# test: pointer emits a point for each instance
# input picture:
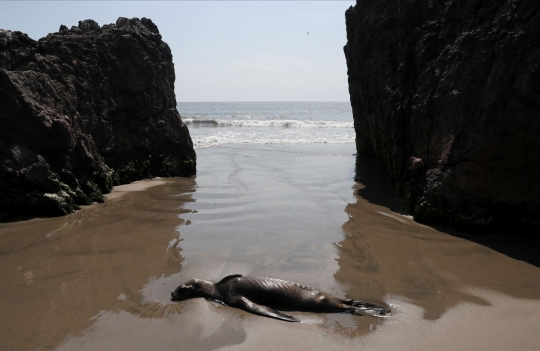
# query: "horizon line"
(268, 101)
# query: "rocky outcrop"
(82, 110)
(447, 95)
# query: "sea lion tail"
(369, 308)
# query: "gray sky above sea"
(223, 50)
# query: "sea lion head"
(187, 290)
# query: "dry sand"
(100, 279)
(135, 186)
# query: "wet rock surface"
(447, 95)
(82, 110)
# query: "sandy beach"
(101, 278)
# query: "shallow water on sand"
(100, 279)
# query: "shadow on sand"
(378, 190)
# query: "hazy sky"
(223, 50)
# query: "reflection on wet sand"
(101, 278)
(429, 266)
(422, 271)
(59, 274)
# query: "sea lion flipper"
(261, 310)
(228, 278)
(370, 308)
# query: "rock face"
(82, 110)
(447, 95)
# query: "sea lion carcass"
(256, 294)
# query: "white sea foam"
(220, 123)
(289, 123)
(253, 137)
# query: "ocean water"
(226, 123)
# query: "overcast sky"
(223, 50)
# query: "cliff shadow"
(378, 189)
(518, 247)
(377, 186)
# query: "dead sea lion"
(255, 294)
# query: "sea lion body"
(260, 295)
(280, 294)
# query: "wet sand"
(100, 279)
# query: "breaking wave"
(288, 137)
(212, 122)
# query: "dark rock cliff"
(447, 95)
(82, 110)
